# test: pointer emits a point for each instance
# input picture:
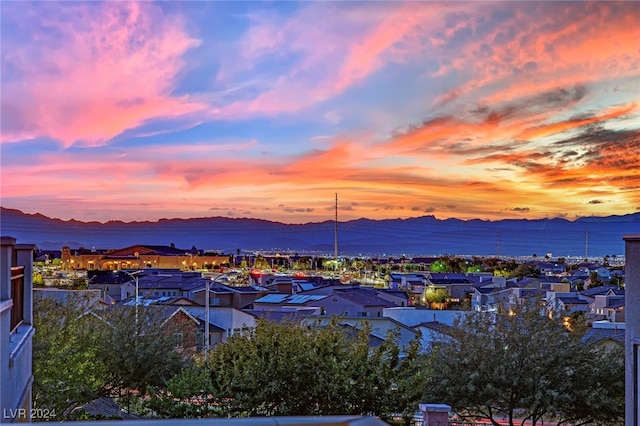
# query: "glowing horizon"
(139, 111)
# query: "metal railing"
(17, 294)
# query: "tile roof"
(398, 293)
(446, 281)
(488, 290)
(364, 299)
(435, 326)
(599, 334)
(572, 300)
(594, 291)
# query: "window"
(179, 337)
(17, 294)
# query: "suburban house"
(529, 282)
(398, 298)
(354, 303)
(458, 289)
(116, 285)
(412, 316)
(552, 268)
(239, 297)
(16, 329)
(172, 284)
(566, 303)
(411, 282)
(326, 289)
(187, 329)
(609, 306)
(521, 294)
(489, 298)
(591, 293)
(230, 320)
(570, 303)
(282, 302)
(586, 270)
(607, 334)
(380, 327)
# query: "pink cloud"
(336, 47)
(110, 67)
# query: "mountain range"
(419, 236)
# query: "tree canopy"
(524, 365)
(294, 369)
(80, 354)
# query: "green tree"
(521, 365)
(596, 388)
(137, 350)
(67, 367)
(526, 270)
(329, 369)
(618, 280)
(596, 281)
(80, 354)
(436, 295)
(186, 395)
(438, 266)
(261, 263)
(38, 280)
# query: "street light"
(206, 314)
(135, 279)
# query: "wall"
(632, 339)
(16, 347)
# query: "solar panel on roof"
(272, 298)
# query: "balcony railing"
(17, 294)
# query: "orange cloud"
(523, 56)
(562, 126)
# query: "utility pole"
(335, 238)
(207, 315)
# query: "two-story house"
(566, 303)
(458, 289)
(552, 268)
(609, 306)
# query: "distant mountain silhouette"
(420, 236)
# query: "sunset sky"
(492, 110)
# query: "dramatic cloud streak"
(108, 68)
(125, 110)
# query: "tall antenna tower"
(586, 244)
(335, 237)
